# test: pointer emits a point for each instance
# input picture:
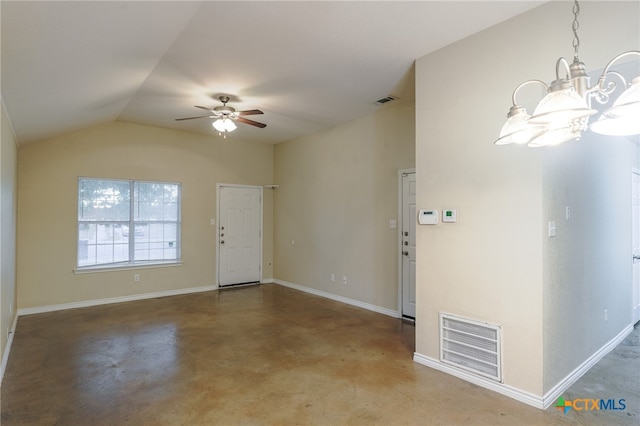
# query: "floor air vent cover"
(471, 345)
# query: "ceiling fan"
(226, 116)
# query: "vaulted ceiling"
(308, 65)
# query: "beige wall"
(488, 265)
(493, 265)
(338, 191)
(587, 266)
(47, 206)
(8, 194)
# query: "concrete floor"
(260, 355)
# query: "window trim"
(128, 267)
(131, 263)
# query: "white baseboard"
(564, 384)
(501, 388)
(119, 299)
(7, 347)
(541, 402)
(327, 295)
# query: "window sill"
(151, 265)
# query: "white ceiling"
(307, 65)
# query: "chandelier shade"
(517, 129)
(560, 107)
(616, 126)
(554, 137)
(563, 113)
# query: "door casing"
(635, 246)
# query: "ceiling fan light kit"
(224, 125)
(226, 117)
(563, 114)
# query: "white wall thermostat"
(449, 216)
(428, 217)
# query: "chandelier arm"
(603, 77)
(521, 85)
(566, 66)
(601, 93)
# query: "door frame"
(400, 227)
(634, 171)
(217, 226)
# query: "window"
(127, 222)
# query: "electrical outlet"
(344, 279)
(606, 317)
(136, 277)
(333, 278)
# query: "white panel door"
(408, 245)
(239, 230)
(635, 203)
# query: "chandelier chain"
(574, 27)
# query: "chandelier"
(563, 114)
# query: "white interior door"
(408, 245)
(239, 234)
(635, 229)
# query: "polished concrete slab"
(257, 355)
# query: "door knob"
(406, 243)
(406, 234)
(405, 253)
(222, 235)
(221, 241)
(636, 257)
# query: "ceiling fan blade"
(191, 118)
(251, 122)
(250, 112)
(204, 108)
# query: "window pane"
(156, 201)
(103, 200)
(101, 243)
(159, 242)
(170, 231)
(170, 211)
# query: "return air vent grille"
(471, 345)
(385, 100)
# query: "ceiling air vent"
(385, 100)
